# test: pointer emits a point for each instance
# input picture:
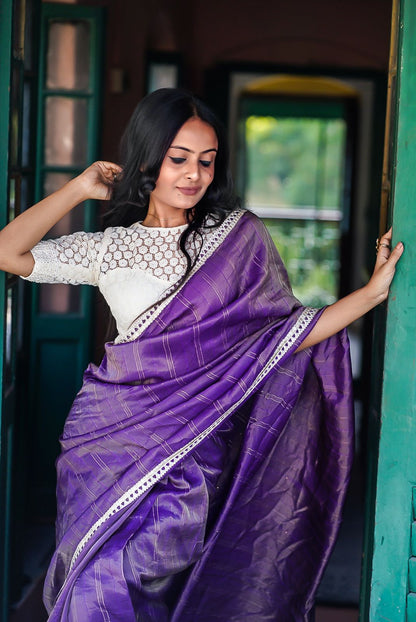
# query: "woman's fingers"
(384, 252)
(385, 266)
(109, 170)
(396, 253)
(98, 179)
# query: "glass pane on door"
(66, 121)
(68, 59)
(74, 220)
(59, 298)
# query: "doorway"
(322, 227)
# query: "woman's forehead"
(196, 136)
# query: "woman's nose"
(192, 171)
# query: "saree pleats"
(204, 464)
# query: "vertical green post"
(397, 449)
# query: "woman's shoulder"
(251, 216)
(248, 218)
(252, 227)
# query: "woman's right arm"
(24, 232)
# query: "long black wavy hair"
(149, 134)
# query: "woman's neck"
(155, 220)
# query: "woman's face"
(187, 170)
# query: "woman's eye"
(177, 160)
(206, 163)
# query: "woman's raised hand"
(21, 234)
(351, 307)
(97, 180)
(385, 267)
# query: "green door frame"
(392, 576)
(18, 49)
(61, 343)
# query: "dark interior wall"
(133, 28)
(301, 32)
(307, 33)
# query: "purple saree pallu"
(204, 463)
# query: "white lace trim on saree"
(159, 471)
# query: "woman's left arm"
(346, 310)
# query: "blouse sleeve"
(69, 259)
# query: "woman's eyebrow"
(190, 150)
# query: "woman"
(204, 462)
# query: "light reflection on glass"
(27, 104)
(68, 61)
(12, 199)
(74, 220)
(9, 338)
(58, 298)
(66, 130)
(162, 75)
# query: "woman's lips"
(189, 191)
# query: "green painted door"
(18, 38)
(68, 136)
(390, 581)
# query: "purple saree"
(204, 463)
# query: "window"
(294, 174)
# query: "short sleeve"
(69, 259)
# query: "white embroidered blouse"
(133, 267)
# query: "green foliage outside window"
(295, 170)
(296, 162)
(309, 250)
